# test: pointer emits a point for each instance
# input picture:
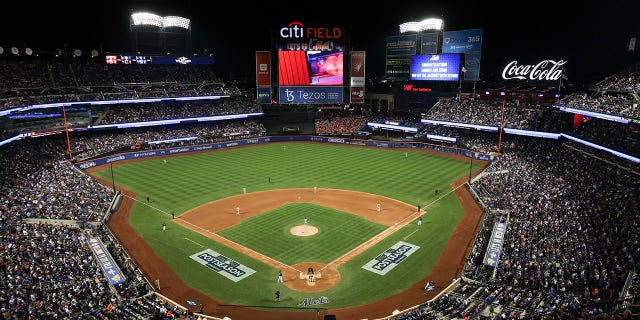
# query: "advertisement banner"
(398, 68)
(107, 264)
(391, 258)
(263, 68)
(429, 43)
(357, 76)
(222, 265)
(403, 45)
(264, 95)
(462, 41)
(310, 95)
(472, 65)
(494, 247)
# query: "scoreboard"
(140, 59)
(126, 59)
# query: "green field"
(188, 181)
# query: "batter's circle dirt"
(447, 267)
(304, 231)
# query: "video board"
(310, 63)
(435, 67)
(140, 59)
(310, 68)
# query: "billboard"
(357, 76)
(310, 95)
(263, 68)
(472, 64)
(403, 45)
(398, 68)
(462, 41)
(312, 56)
(310, 68)
(263, 76)
(429, 43)
(140, 59)
(435, 67)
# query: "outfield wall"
(259, 140)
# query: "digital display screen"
(326, 68)
(435, 67)
(310, 68)
(128, 59)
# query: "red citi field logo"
(297, 30)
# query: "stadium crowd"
(571, 249)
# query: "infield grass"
(190, 180)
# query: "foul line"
(193, 242)
(382, 235)
(410, 234)
(147, 204)
(245, 250)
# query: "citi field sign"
(545, 70)
(297, 30)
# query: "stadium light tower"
(430, 24)
(425, 28)
(156, 31)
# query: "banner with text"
(462, 41)
(358, 59)
(495, 244)
(310, 95)
(225, 266)
(392, 257)
(403, 45)
(108, 265)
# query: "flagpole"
(460, 88)
(475, 79)
(464, 70)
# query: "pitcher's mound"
(303, 231)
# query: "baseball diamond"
(210, 220)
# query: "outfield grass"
(187, 181)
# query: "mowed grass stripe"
(269, 233)
(189, 180)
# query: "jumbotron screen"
(435, 67)
(310, 68)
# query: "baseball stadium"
(143, 186)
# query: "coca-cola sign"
(545, 70)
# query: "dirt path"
(217, 215)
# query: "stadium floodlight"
(28, 51)
(1, 50)
(77, 53)
(424, 25)
(94, 53)
(409, 27)
(154, 20)
(431, 24)
(146, 19)
(14, 50)
(175, 21)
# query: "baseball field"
(237, 217)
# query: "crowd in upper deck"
(571, 242)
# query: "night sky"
(591, 36)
